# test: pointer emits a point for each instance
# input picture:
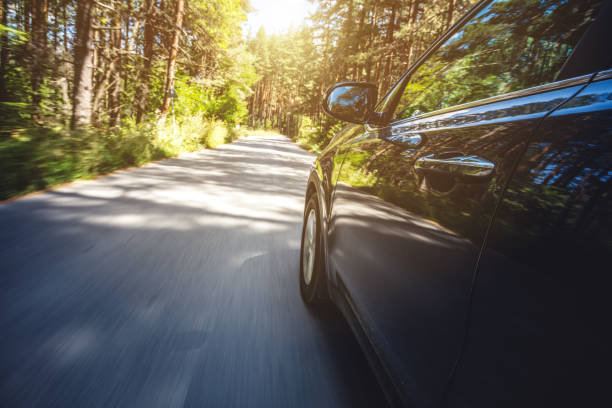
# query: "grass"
(308, 142)
(38, 157)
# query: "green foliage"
(366, 40)
(509, 46)
(39, 157)
(222, 98)
(15, 37)
(213, 76)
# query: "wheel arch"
(315, 186)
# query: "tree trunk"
(55, 27)
(99, 91)
(39, 51)
(176, 36)
(145, 74)
(386, 80)
(64, 82)
(132, 31)
(3, 50)
(262, 100)
(83, 52)
(449, 13)
(27, 10)
(360, 35)
(413, 17)
(130, 34)
(114, 96)
(253, 105)
(65, 27)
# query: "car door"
(540, 324)
(415, 197)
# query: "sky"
(277, 15)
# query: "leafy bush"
(315, 136)
(38, 157)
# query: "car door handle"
(460, 167)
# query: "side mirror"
(350, 101)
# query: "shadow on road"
(171, 285)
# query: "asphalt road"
(175, 284)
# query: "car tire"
(311, 254)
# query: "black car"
(463, 222)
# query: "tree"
(145, 73)
(39, 50)
(83, 67)
(3, 49)
(350, 40)
(176, 35)
(114, 97)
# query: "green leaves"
(15, 37)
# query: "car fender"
(315, 186)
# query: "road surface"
(175, 284)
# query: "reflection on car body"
(465, 227)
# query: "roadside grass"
(34, 157)
(314, 138)
(307, 141)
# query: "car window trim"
(600, 76)
(552, 86)
(387, 107)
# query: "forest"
(87, 87)
(346, 40)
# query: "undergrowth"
(37, 157)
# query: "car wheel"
(311, 253)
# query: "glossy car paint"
(540, 327)
(405, 244)
(402, 248)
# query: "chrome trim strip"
(603, 75)
(398, 135)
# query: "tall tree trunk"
(100, 90)
(265, 101)
(83, 52)
(64, 81)
(132, 29)
(55, 27)
(39, 51)
(386, 80)
(413, 18)
(3, 50)
(114, 96)
(101, 55)
(449, 13)
(145, 74)
(360, 34)
(176, 36)
(252, 106)
(27, 10)
(65, 27)
(128, 40)
(373, 22)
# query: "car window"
(508, 46)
